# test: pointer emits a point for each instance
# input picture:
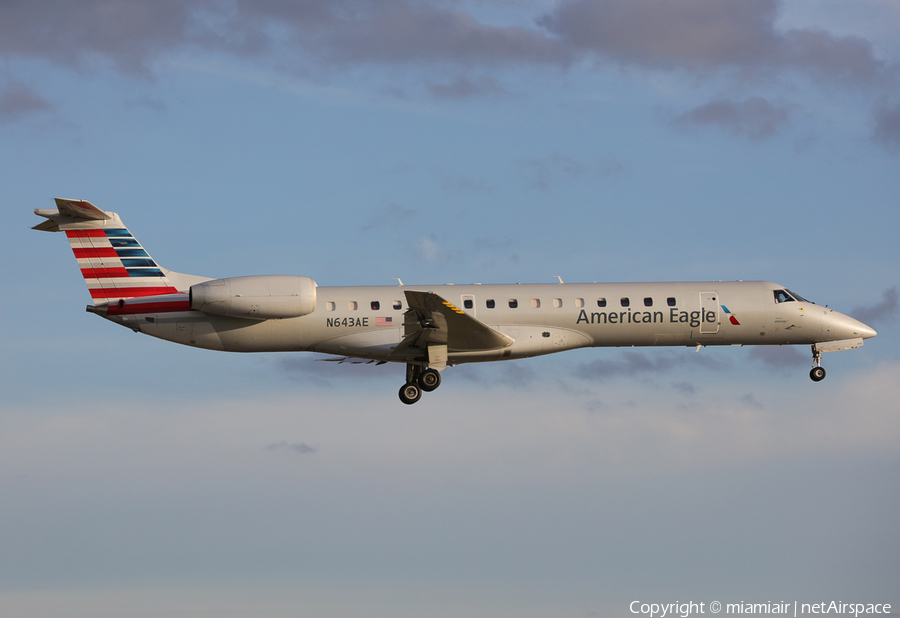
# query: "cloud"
(427, 477)
(320, 370)
(545, 170)
(518, 375)
(755, 117)
(464, 184)
(779, 357)
(18, 100)
(463, 87)
(131, 34)
(399, 31)
(708, 35)
(389, 215)
(875, 314)
(631, 363)
(451, 49)
(685, 388)
(887, 127)
(146, 103)
(126, 33)
(298, 447)
(751, 401)
(693, 35)
(660, 34)
(427, 249)
(848, 59)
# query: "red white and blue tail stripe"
(113, 263)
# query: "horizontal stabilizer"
(73, 214)
(80, 209)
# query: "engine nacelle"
(260, 297)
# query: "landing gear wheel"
(410, 393)
(430, 380)
(816, 374)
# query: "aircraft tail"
(113, 263)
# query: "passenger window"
(536, 303)
(329, 306)
(353, 305)
(490, 303)
(648, 302)
(467, 303)
(375, 305)
(601, 302)
(513, 303)
(625, 302)
(670, 301)
(579, 302)
(557, 302)
(398, 305)
(782, 297)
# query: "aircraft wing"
(431, 320)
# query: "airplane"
(430, 327)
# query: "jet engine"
(259, 297)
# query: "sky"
(450, 142)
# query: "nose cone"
(850, 328)
(865, 331)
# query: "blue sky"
(488, 141)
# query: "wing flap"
(432, 320)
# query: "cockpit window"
(800, 298)
(781, 296)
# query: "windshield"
(800, 298)
(786, 296)
(781, 296)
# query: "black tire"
(410, 393)
(817, 374)
(430, 380)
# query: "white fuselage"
(368, 322)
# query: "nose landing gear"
(418, 380)
(817, 373)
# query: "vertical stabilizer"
(113, 263)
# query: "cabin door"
(709, 313)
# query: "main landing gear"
(817, 373)
(418, 380)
